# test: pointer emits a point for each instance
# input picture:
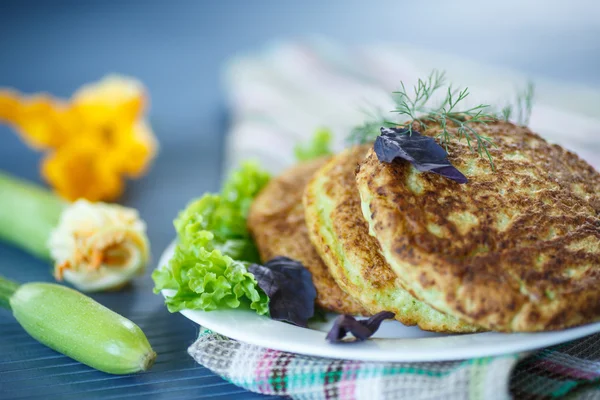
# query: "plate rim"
(441, 348)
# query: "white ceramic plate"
(393, 341)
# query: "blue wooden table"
(177, 49)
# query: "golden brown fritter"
(341, 236)
(276, 221)
(517, 249)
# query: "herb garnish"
(319, 146)
(523, 104)
(368, 131)
(360, 329)
(421, 151)
(290, 289)
(416, 108)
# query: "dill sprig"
(368, 131)
(416, 108)
(523, 105)
(455, 121)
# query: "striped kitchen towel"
(571, 369)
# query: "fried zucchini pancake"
(276, 221)
(341, 236)
(516, 249)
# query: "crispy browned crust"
(340, 235)
(276, 221)
(513, 250)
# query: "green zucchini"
(28, 214)
(77, 326)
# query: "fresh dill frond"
(368, 131)
(412, 106)
(506, 112)
(523, 105)
(416, 108)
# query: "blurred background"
(179, 50)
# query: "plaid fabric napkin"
(569, 369)
(278, 97)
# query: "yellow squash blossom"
(93, 142)
(112, 100)
(40, 120)
(8, 105)
(98, 246)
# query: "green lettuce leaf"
(208, 270)
(320, 145)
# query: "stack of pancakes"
(517, 248)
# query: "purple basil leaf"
(345, 324)
(451, 173)
(375, 321)
(388, 148)
(289, 287)
(360, 329)
(421, 151)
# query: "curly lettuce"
(209, 269)
(320, 145)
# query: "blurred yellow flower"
(40, 120)
(8, 104)
(93, 141)
(78, 170)
(114, 99)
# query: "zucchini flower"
(94, 246)
(98, 246)
(92, 142)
